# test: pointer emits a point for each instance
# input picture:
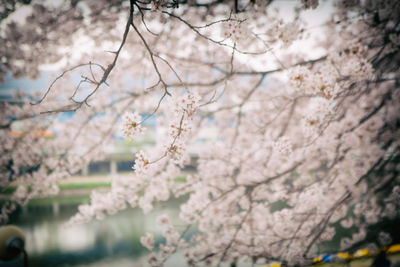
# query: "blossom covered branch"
(303, 144)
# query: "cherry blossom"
(131, 127)
(292, 128)
(147, 241)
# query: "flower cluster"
(333, 76)
(322, 110)
(141, 163)
(147, 241)
(322, 82)
(287, 33)
(283, 146)
(181, 124)
(187, 103)
(237, 30)
(163, 220)
(157, 189)
(131, 126)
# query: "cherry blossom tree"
(307, 141)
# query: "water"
(114, 240)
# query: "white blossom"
(147, 241)
(131, 126)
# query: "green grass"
(180, 179)
(90, 185)
(59, 200)
(84, 185)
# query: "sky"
(25, 84)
